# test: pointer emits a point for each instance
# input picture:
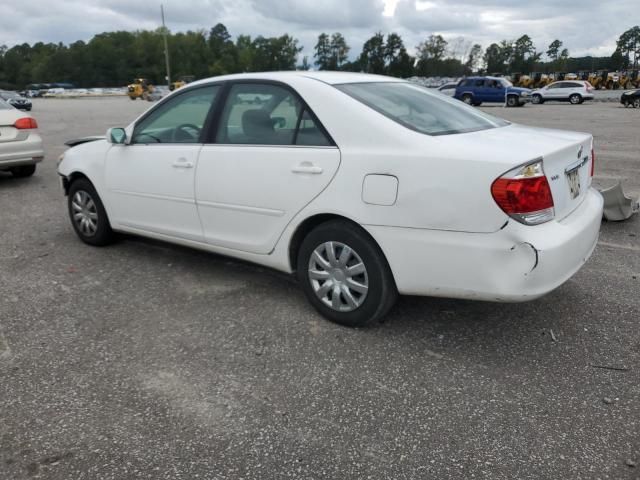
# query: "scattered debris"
(607, 400)
(617, 206)
(553, 335)
(607, 367)
(630, 463)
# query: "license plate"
(573, 177)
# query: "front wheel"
(536, 99)
(512, 101)
(636, 103)
(575, 99)
(345, 275)
(87, 214)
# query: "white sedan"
(20, 143)
(364, 186)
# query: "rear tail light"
(593, 161)
(25, 123)
(524, 194)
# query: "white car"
(448, 89)
(365, 186)
(574, 92)
(20, 143)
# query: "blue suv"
(476, 90)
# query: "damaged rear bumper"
(515, 264)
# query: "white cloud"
(585, 26)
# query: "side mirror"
(117, 136)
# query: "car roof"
(330, 77)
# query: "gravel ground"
(146, 360)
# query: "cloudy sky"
(585, 26)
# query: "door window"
(178, 120)
(261, 114)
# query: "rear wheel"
(575, 99)
(23, 171)
(344, 274)
(467, 98)
(636, 103)
(87, 214)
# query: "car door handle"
(182, 163)
(306, 167)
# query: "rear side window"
(418, 109)
(265, 114)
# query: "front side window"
(265, 114)
(419, 109)
(179, 119)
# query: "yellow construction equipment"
(630, 79)
(140, 88)
(599, 79)
(181, 82)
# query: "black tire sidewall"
(512, 101)
(104, 234)
(575, 96)
(23, 171)
(382, 291)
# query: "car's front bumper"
(24, 152)
(517, 263)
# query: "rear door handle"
(306, 167)
(182, 163)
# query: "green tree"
(323, 53)
(339, 50)
(372, 58)
(473, 59)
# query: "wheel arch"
(67, 180)
(307, 225)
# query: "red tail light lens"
(525, 195)
(593, 161)
(25, 123)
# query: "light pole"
(166, 47)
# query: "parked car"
(448, 89)
(631, 98)
(16, 100)
(365, 186)
(574, 92)
(20, 143)
(478, 90)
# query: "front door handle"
(182, 163)
(306, 167)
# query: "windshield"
(506, 83)
(4, 105)
(416, 108)
(8, 95)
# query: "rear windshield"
(4, 105)
(417, 108)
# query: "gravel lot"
(146, 360)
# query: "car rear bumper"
(515, 264)
(25, 152)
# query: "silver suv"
(572, 91)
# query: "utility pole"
(166, 47)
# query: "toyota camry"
(364, 186)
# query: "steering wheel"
(185, 132)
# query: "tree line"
(115, 58)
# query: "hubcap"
(85, 214)
(338, 276)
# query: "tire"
(575, 99)
(636, 103)
(99, 232)
(467, 98)
(512, 101)
(132, 98)
(23, 171)
(353, 307)
(537, 100)
(477, 104)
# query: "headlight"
(524, 94)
